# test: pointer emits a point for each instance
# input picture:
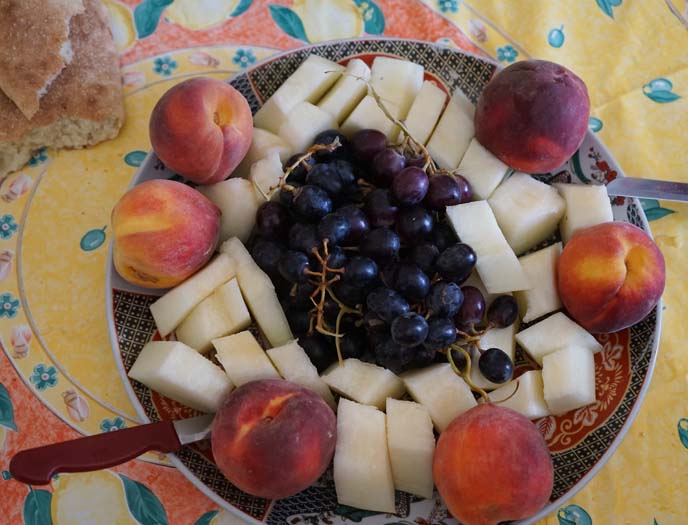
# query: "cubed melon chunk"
(362, 471)
(543, 297)
(425, 111)
(237, 200)
(441, 391)
(411, 445)
(568, 376)
(263, 143)
(481, 169)
(497, 265)
(368, 115)
(586, 205)
(303, 123)
(527, 210)
(265, 175)
(176, 371)
(348, 91)
(293, 364)
(175, 305)
(396, 81)
(223, 312)
(243, 358)
(365, 383)
(259, 294)
(552, 333)
(452, 135)
(529, 396)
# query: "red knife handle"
(36, 466)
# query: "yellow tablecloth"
(57, 373)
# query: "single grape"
(330, 311)
(456, 262)
(386, 165)
(459, 360)
(287, 194)
(423, 356)
(386, 304)
(348, 294)
(381, 244)
(444, 299)
(273, 221)
(443, 190)
(392, 356)
(414, 224)
(293, 265)
(327, 137)
(410, 186)
(344, 171)
(503, 311)
(379, 208)
(299, 320)
(441, 333)
(442, 236)
(354, 342)
(303, 237)
(312, 202)
(465, 190)
(298, 174)
(358, 223)
(299, 296)
(409, 329)
(410, 281)
(496, 365)
(367, 143)
(319, 350)
(323, 176)
(359, 271)
(472, 309)
(424, 255)
(267, 255)
(334, 227)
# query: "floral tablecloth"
(57, 372)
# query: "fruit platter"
(387, 269)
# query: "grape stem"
(466, 374)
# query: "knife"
(37, 466)
(648, 189)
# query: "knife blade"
(37, 466)
(648, 189)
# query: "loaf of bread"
(83, 104)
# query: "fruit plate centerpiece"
(580, 441)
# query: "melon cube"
(348, 91)
(481, 169)
(543, 297)
(368, 115)
(365, 383)
(174, 370)
(237, 200)
(586, 206)
(425, 111)
(529, 396)
(396, 81)
(444, 394)
(568, 377)
(527, 210)
(452, 135)
(265, 175)
(243, 358)
(302, 125)
(263, 143)
(411, 445)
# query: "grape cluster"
(364, 263)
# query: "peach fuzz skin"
(492, 465)
(610, 276)
(533, 115)
(273, 438)
(163, 231)
(201, 129)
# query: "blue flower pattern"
(8, 305)
(111, 425)
(164, 66)
(448, 6)
(244, 58)
(506, 54)
(7, 226)
(38, 158)
(43, 376)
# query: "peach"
(163, 231)
(202, 129)
(610, 276)
(533, 115)
(492, 465)
(273, 438)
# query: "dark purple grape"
(379, 208)
(348, 294)
(331, 311)
(334, 227)
(303, 237)
(443, 236)
(392, 356)
(267, 255)
(298, 174)
(312, 202)
(358, 223)
(444, 299)
(354, 341)
(386, 304)
(273, 221)
(496, 365)
(367, 143)
(441, 333)
(503, 311)
(410, 281)
(286, 195)
(344, 171)
(299, 320)
(459, 359)
(409, 329)
(414, 224)
(464, 189)
(386, 165)
(323, 176)
(424, 255)
(360, 271)
(410, 186)
(293, 265)
(472, 309)
(456, 262)
(319, 350)
(336, 259)
(327, 137)
(422, 356)
(381, 244)
(443, 190)
(299, 296)
(418, 161)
